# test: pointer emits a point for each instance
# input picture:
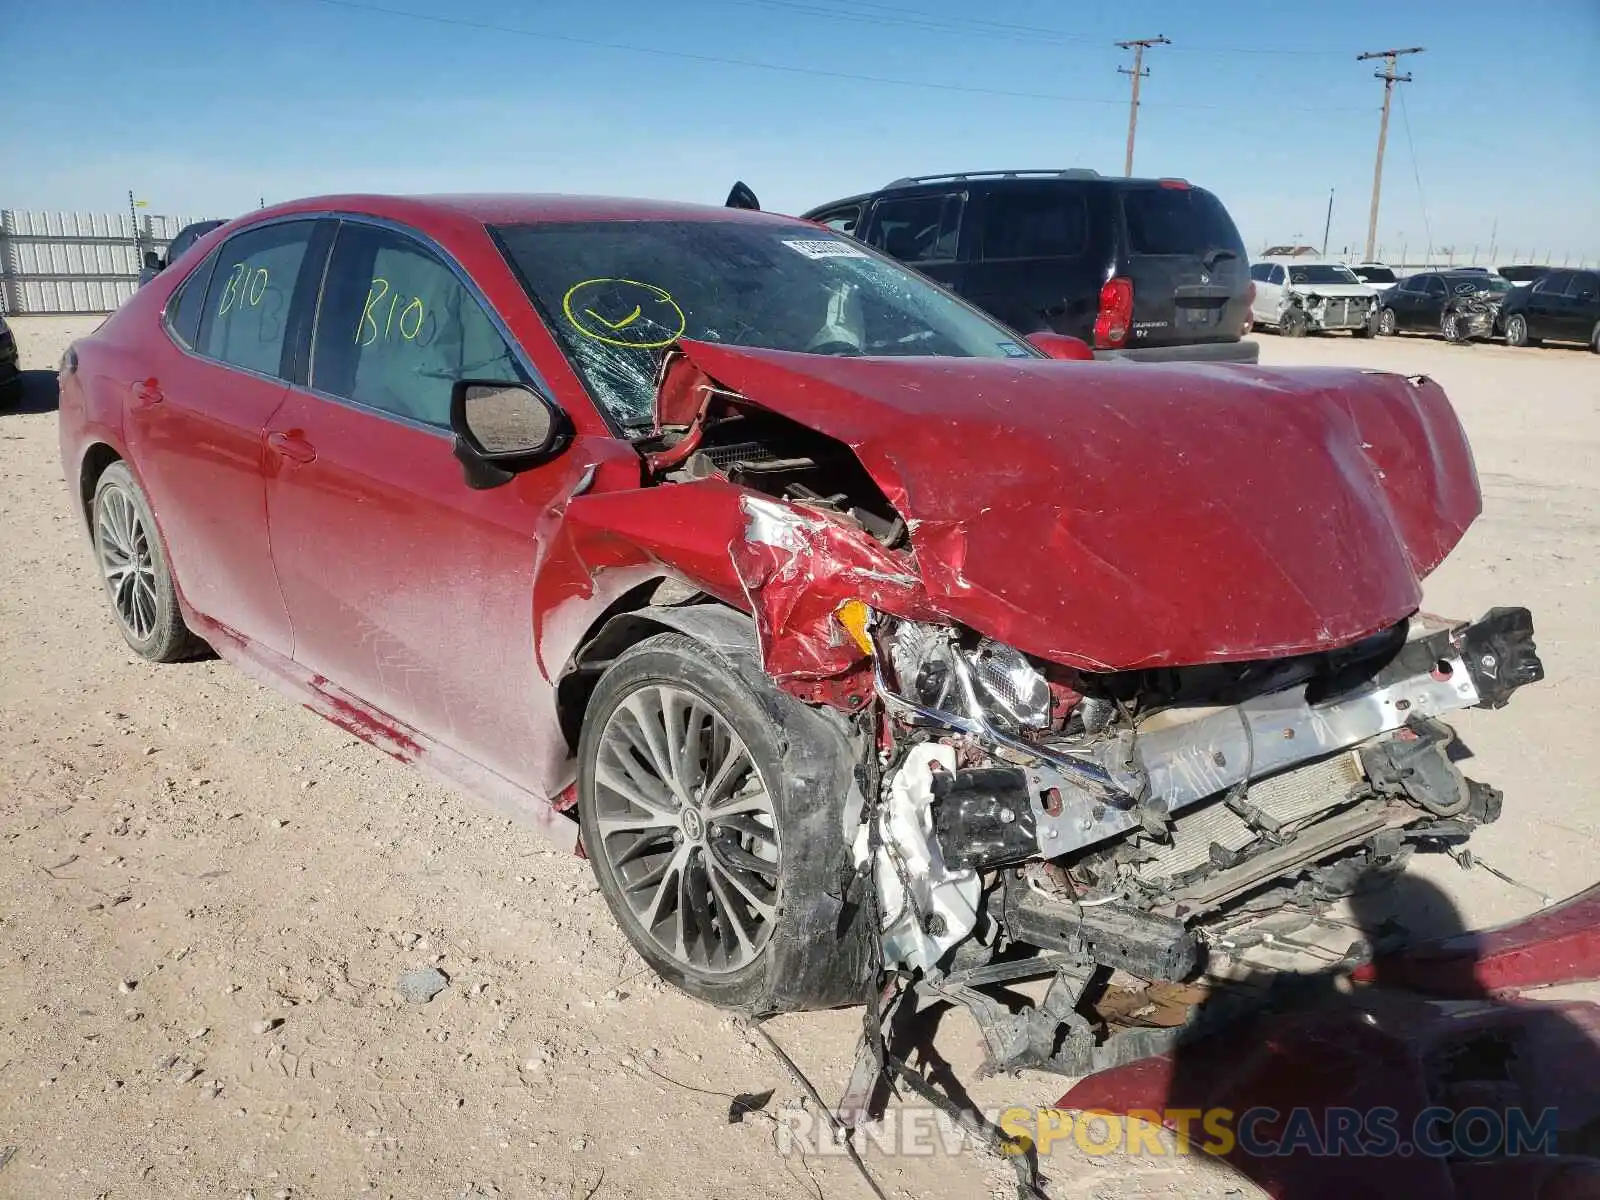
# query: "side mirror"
(502, 428)
(1061, 345)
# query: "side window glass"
(1259, 272)
(1584, 286)
(843, 220)
(187, 304)
(1547, 285)
(1278, 275)
(397, 328)
(1436, 286)
(247, 307)
(923, 229)
(1034, 222)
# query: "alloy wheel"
(1386, 323)
(686, 825)
(126, 562)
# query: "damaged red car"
(849, 630)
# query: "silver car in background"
(1296, 297)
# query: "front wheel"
(1453, 328)
(1517, 330)
(716, 812)
(1293, 323)
(1369, 330)
(1388, 323)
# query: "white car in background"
(1296, 297)
(1378, 276)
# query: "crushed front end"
(1119, 699)
(1128, 821)
(1328, 312)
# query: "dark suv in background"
(1138, 268)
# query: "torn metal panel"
(607, 543)
(797, 565)
(1110, 520)
(1556, 945)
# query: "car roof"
(521, 208)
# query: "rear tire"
(1293, 324)
(718, 814)
(133, 568)
(1388, 323)
(1517, 331)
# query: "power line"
(1416, 171)
(757, 64)
(1390, 58)
(1005, 30)
(1138, 46)
(716, 59)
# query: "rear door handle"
(148, 392)
(293, 446)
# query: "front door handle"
(293, 446)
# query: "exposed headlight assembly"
(990, 691)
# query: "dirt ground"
(207, 895)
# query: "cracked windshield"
(617, 293)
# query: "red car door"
(195, 425)
(405, 586)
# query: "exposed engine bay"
(1039, 805)
(1122, 820)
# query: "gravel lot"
(207, 894)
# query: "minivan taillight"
(1115, 318)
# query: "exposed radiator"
(1290, 799)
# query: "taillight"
(1115, 318)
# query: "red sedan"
(847, 628)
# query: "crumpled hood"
(1110, 516)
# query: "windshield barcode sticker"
(825, 248)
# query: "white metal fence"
(56, 262)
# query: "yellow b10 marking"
(245, 287)
(367, 330)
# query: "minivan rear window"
(1168, 220)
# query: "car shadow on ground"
(39, 394)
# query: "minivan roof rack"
(1040, 173)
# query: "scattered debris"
(422, 984)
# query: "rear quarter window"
(1035, 222)
(1168, 220)
(186, 305)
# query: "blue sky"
(203, 107)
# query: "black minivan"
(1138, 268)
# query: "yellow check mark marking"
(615, 325)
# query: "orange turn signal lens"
(856, 617)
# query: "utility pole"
(1328, 224)
(1138, 46)
(1390, 58)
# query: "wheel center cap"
(694, 825)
